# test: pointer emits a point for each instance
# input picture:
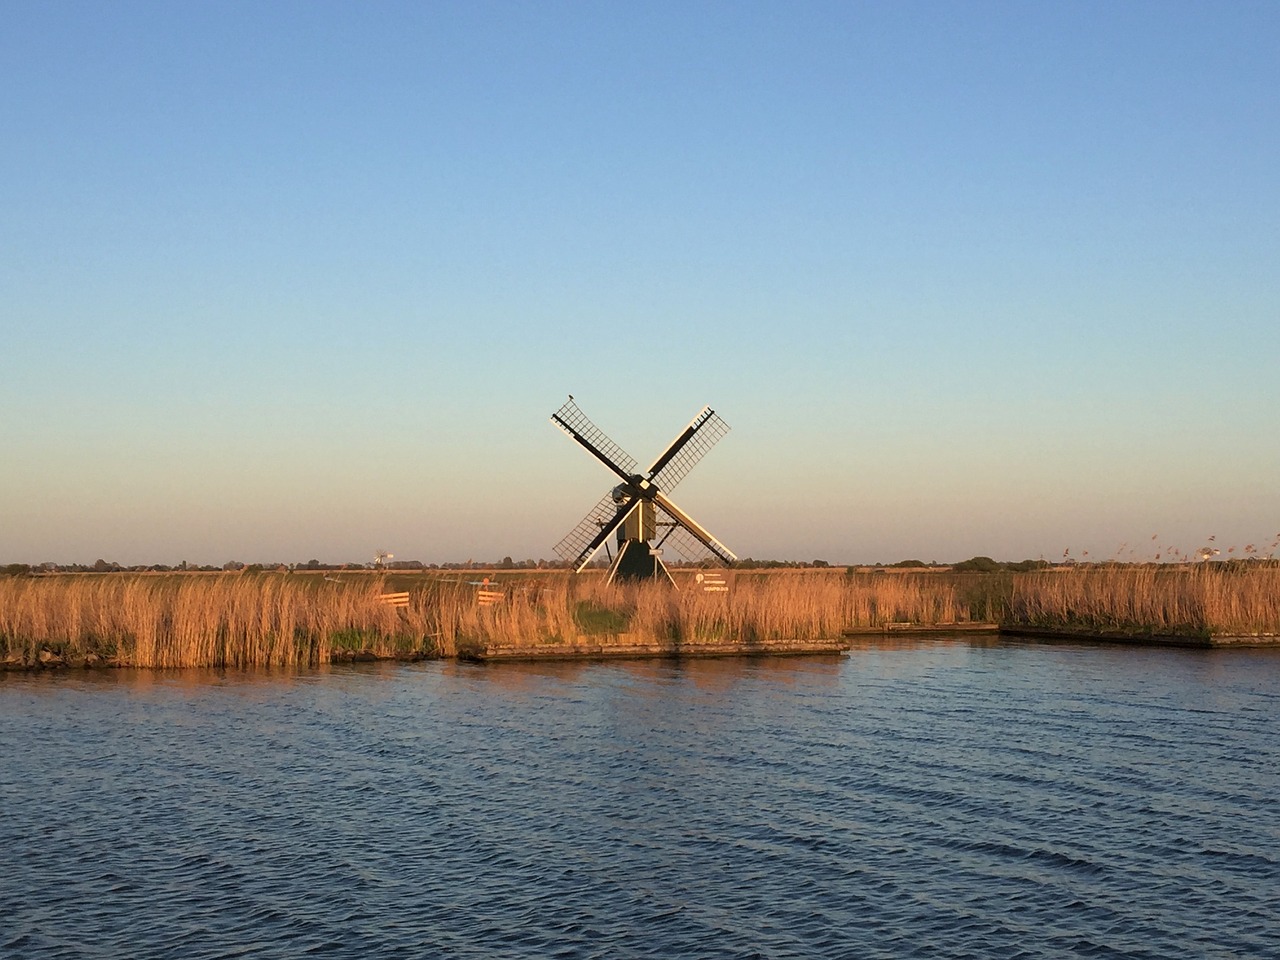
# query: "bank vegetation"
(271, 619)
(1189, 600)
(241, 620)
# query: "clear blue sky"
(305, 280)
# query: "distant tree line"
(987, 565)
(972, 565)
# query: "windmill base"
(637, 561)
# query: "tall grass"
(231, 621)
(268, 620)
(758, 609)
(1195, 600)
(273, 620)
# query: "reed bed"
(758, 608)
(273, 620)
(282, 620)
(1198, 601)
(231, 621)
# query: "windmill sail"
(576, 424)
(675, 539)
(686, 528)
(582, 542)
(689, 446)
(577, 539)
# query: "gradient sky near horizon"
(288, 281)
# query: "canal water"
(951, 798)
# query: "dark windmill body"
(638, 511)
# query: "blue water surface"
(943, 798)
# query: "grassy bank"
(235, 620)
(271, 619)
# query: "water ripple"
(945, 799)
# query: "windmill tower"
(638, 510)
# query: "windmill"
(638, 509)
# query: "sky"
(297, 281)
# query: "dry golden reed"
(1200, 600)
(277, 620)
(567, 610)
(221, 621)
(272, 620)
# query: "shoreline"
(1145, 638)
(628, 647)
(248, 621)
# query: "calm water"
(939, 799)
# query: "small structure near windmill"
(638, 510)
(489, 595)
(711, 582)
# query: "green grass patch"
(594, 619)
